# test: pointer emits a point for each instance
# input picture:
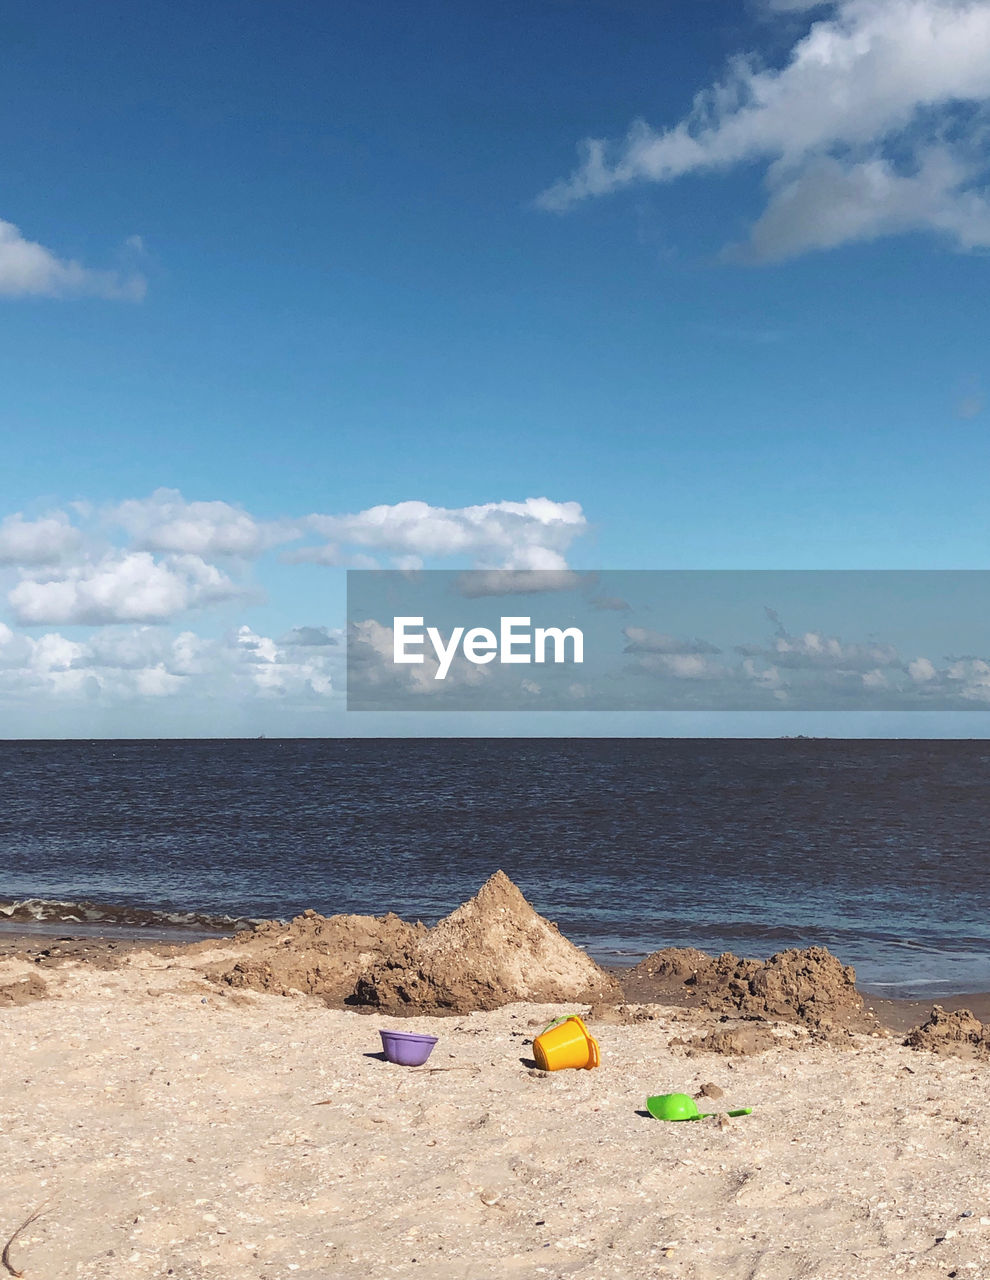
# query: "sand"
(174, 1129)
(490, 951)
(809, 986)
(172, 1124)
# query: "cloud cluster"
(370, 666)
(165, 521)
(45, 541)
(122, 664)
(874, 125)
(815, 651)
(812, 668)
(182, 555)
(474, 583)
(28, 269)
(534, 534)
(124, 575)
(671, 656)
(122, 587)
(643, 640)
(660, 671)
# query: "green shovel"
(680, 1106)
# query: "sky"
(291, 289)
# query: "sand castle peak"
(492, 950)
(498, 892)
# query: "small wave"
(59, 911)
(904, 983)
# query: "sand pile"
(313, 954)
(735, 1041)
(806, 986)
(493, 950)
(23, 989)
(957, 1034)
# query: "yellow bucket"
(566, 1043)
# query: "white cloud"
(129, 649)
(259, 649)
(15, 650)
(873, 79)
(508, 582)
(335, 557)
(642, 640)
(684, 666)
(308, 637)
(124, 573)
(813, 650)
(37, 542)
(156, 682)
(122, 587)
(190, 654)
(832, 202)
(29, 269)
(533, 534)
(131, 664)
(764, 677)
(167, 522)
(54, 653)
(530, 535)
(973, 675)
(272, 669)
(371, 666)
(73, 574)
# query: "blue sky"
(265, 270)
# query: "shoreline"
(51, 944)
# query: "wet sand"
(52, 944)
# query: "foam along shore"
(168, 1121)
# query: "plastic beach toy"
(406, 1048)
(566, 1043)
(680, 1106)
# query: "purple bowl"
(406, 1048)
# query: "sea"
(878, 850)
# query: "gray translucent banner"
(668, 640)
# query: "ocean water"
(878, 850)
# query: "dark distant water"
(879, 850)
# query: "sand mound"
(732, 1041)
(957, 1034)
(23, 990)
(316, 955)
(673, 964)
(491, 951)
(811, 986)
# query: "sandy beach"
(172, 1129)
(166, 1122)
